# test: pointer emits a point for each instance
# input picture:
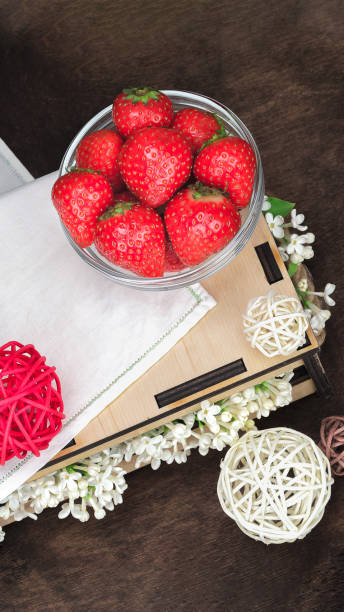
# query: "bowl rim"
(214, 263)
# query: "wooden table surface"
(279, 66)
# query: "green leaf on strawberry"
(141, 94)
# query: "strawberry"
(99, 151)
(228, 164)
(172, 261)
(197, 126)
(200, 221)
(140, 107)
(80, 197)
(154, 163)
(132, 236)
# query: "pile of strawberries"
(130, 195)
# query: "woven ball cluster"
(275, 484)
(31, 406)
(275, 324)
(332, 442)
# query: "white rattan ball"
(275, 324)
(275, 484)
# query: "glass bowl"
(249, 215)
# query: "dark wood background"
(278, 65)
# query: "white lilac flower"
(240, 412)
(99, 512)
(275, 224)
(102, 482)
(207, 413)
(302, 285)
(310, 237)
(189, 420)
(2, 534)
(117, 454)
(283, 253)
(237, 399)
(329, 289)
(265, 404)
(226, 416)
(68, 480)
(145, 444)
(129, 450)
(179, 431)
(65, 511)
(249, 425)
(296, 244)
(319, 319)
(222, 439)
(248, 394)
(252, 407)
(296, 258)
(5, 511)
(308, 252)
(280, 391)
(45, 493)
(266, 204)
(297, 220)
(204, 443)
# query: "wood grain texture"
(279, 66)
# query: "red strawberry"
(228, 164)
(137, 108)
(198, 126)
(172, 261)
(154, 163)
(200, 221)
(99, 151)
(132, 236)
(80, 197)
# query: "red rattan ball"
(332, 442)
(31, 406)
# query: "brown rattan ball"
(332, 442)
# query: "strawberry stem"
(200, 190)
(141, 94)
(214, 138)
(75, 169)
(222, 130)
(119, 208)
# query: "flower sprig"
(98, 482)
(294, 248)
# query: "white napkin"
(12, 172)
(100, 336)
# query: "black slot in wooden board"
(268, 262)
(70, 443)
(300, 375)
(200, 382)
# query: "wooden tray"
(211, 361)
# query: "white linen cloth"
(100, 336)
(12, 172)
